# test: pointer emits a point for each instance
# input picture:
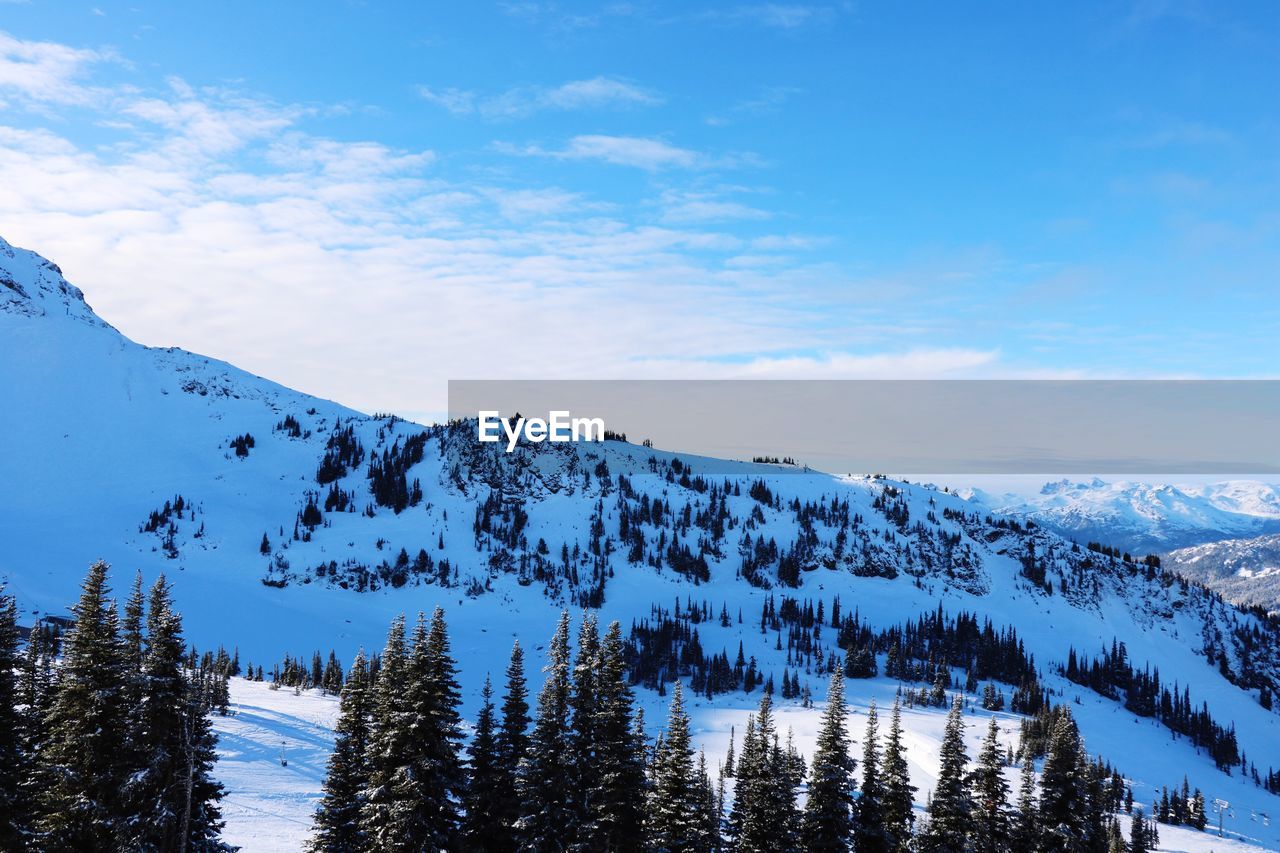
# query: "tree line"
(579, 773)
(105, 736)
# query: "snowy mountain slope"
(366, 517)
(1142, 517)
(1243, 570)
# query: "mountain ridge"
(289, 522)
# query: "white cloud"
(354, 270)
(521, 102)
(639, 152)
(46, 72)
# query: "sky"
(364, 200)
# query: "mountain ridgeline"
(292, 522)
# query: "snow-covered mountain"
(290, 523)
(1243, 570)
(1146, 518)
(1218, 534)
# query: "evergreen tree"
(14, 818)
(511, 745)
(337, 820)
(200, 821)
(439, 776)
(675, 820)
(155, 790)
(950, 809)
(990, 797)
(764, 818)
(1025, 832)
(616, 815)
(872, 835)
(584, 717)
(828, 820)
(712, 808)
(1138, 842)
(1064, 805)
(547, 812)
(80, 768)
(482, 827)
(385, 817)
(899, 793)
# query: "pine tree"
(828, 820)
(482, 827)
(1025, 831)
(712, 809)
(511, 745)
(1064, 804)
(872, 835)
(950, 809)
(1138, 842)
(990, 797)
(584, 718)
(80, 766)
(384, 816)
(674, 817)
(546, 802)
(616, 816)
(14, 817)
(436, 724)
(337, 820)
(200, 821)
(764, 817)
(154, 791)
(131, 632)
(899, 793)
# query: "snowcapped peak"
(1063, 486)
(32, 286)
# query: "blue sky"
(364, 200)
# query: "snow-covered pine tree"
(899, 793)
(584, 718)
(547, 812)
(14, 824)
(1138, 842)
(1024, 832)
(872, 835)
(712, 808)
(990, 797)
(828, 821)
(616, 815)
(950, 808)
(482, 829)
(674, 816)
(80, 772)
(511, 744)
(764, 816)
(1064, 805)
(154, 791)
(201, 820)
(384, 818)
(434, 697)
(337, 820)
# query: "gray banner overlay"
(914, 427)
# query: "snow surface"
(101, 431)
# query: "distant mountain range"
(1221, 534)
